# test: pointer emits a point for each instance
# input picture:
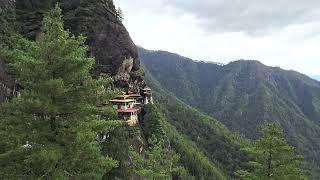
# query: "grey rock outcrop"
(108, 40)
(7, 82)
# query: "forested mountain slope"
(213, 154)
(207, 148)
(243, 95)
(220, 145)
(316, 77)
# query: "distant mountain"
(208, 148)
(317, 77)
(244, 95)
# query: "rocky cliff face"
(109, 41)
(107, 38)
(7, 83)
(6, 5)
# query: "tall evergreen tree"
(274, 158)
(7, 28)
(119, 14)
(50, 130)
(152, 124)
(158, 162)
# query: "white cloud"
(249, 16)
(154, 25)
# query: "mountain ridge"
(243, 95)
(210, 136)
(115, 53)
(316, 77)
(208, 149)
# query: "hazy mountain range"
(317, 77)
(244, 95)
(205, 112)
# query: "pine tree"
(50, 130)
(274, 158)
(7, 28)
(153, 122)
(158, 162)
(120, 14)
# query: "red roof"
(129, 110)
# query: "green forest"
(57, 120)
(240, 102)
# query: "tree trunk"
(269, 161)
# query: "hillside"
(63, 115)
(219, 144)
(207, 149)
(243, 95)
(316, 77)
(193, 159)
(98, 22)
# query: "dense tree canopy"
(273, 157)
(158, 162)
(245, 94)
(50, 130)
(211, 137)
(58, 126)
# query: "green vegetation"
(57, 128)
(7, 28)
(119, 14)
(152, 122)
(158, 162)
(216, 142)
(242, 95)
(117, 146)
(50, 130)
(274, 158)
(191, 157)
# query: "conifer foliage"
(158, 162)
(50, 129)
(274, 158)
(119, 14)
(153, 123)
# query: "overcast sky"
(283, 33)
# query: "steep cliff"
(109, 43)
(107, 38)
(7, 83)
(6, 5)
